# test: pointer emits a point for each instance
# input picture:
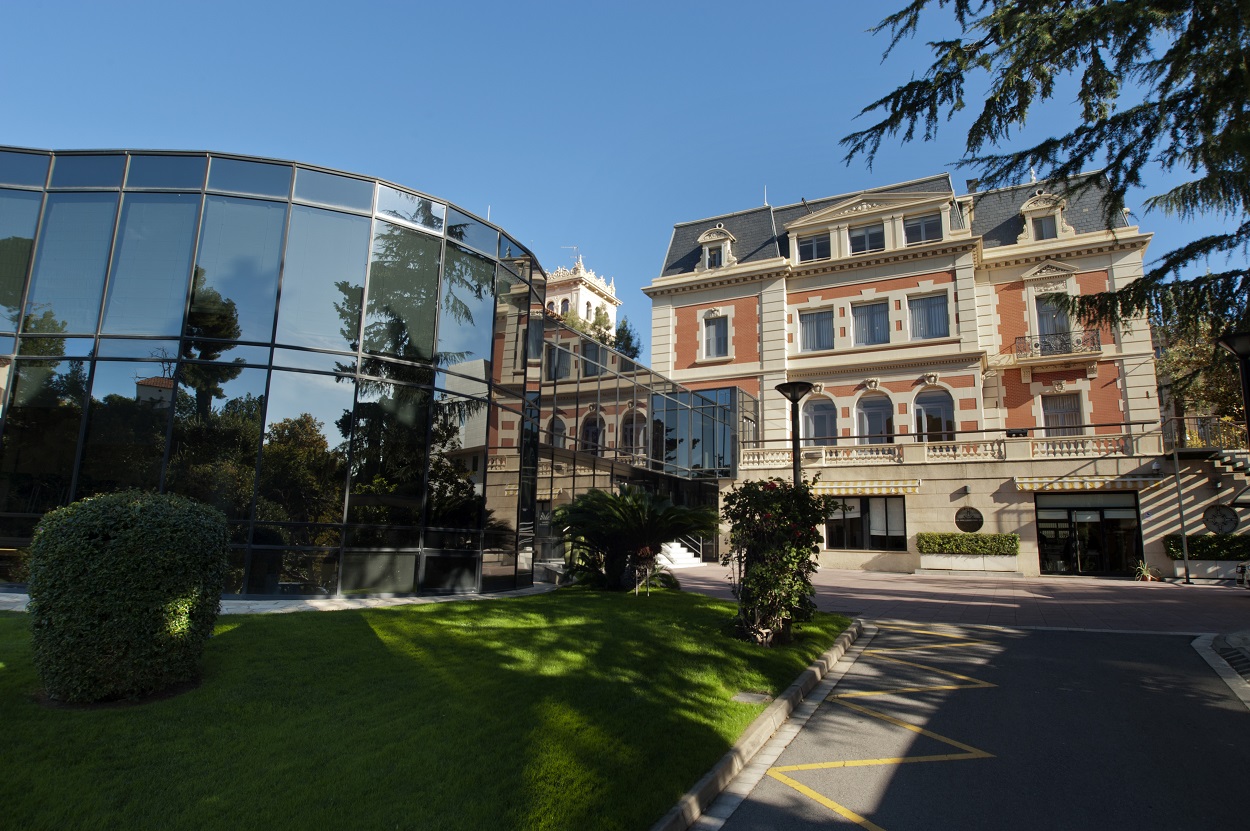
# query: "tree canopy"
(1164, 84)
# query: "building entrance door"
(1094, 534)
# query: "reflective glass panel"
(147, 291)
(19, 214)
(290, 533)
(454, 574)
(165, 350)
(389, 433)
(172, 172)
(466, 229)
(56, 347)
(127, 419)
(323, 281)
(236, 273)
(411, 209)
(41, 435)
(403, 293)
(303, 462)
(461, 384)
(256, 178)
(299, 359)
(228, 351)
(218, 418)
(292, 573)
(69, 270)
(468, 311)
(8, 345)
(389, 572)
(88, 171)
(329, 189)
(30, 169)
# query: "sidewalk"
(17, 602)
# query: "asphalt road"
(958, 727)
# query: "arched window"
(935, 416)
(556, 432)
(634, 436)
(592, 435)
(875, 420)
(588, 316)
(820, 423)
(564, 306)
(551, 306)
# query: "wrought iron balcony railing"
(1060, 343)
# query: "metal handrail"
(1204, 433)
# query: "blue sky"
(580, 124)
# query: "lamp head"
(794, 390)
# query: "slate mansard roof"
(761, 235)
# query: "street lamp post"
(794, 392)
(1238, 343)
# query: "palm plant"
(617, 534)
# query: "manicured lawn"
(572, 710)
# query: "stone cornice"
(704, 280)
(878, 366)
(1007, 256)
(897, 255)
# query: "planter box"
(1210, 569)
(968, 562)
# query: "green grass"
(570, 710)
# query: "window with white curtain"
(716, 337)
(816, 330)
(875, 419)
(872, 323)
(820, 423)
(929, 318)
(592, 359)
(867, 522)
(935, 416)
(1062, 414)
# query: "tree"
(618, 533)
(626, 340)
(1163, 83)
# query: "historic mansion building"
(950, 391)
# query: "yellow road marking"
(969, 752)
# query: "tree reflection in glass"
(127, 419)
(41, 435)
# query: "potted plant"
(1145, 572)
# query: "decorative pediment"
(1049, 271)
(1044, 202)
(853, 210)
(718, 234)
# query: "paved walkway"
(1051, 602)
(17, 602)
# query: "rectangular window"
(1062, 415)
(814, 248)
(716, 337)
(816, 330)
(872, 323)
(592, 357)
(875, 523)
(714, 256)
(929, 318)
(867, 238)
(923, 228)
(558, 363)
(1044, 227)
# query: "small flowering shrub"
(773, 539)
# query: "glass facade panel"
(323, 281)
(41, 435)
(236, 270)
(164, 350)
(319, 361)
(88, 171)
(468, 311)
(28, 169)
(411, 209)
(449, 574)
(52, 347)
(219, 414)
(402, 301)
(389, 454)
(127, 421)
(381, 572)
(73, 255)
(466, 229)
(19, 216)
(335, 191)
(253, 178)
(292, 572)
(147, 292)
(166, 172)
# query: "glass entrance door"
(1094, 534)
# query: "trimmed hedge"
(961, 543)
(124, 591)
(1209, 547)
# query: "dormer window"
(927, 228)
(867, 238)
(717, 246)
(1043, 218)
(815, 247)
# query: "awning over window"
(1086, 483)
(893, 487)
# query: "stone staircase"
(674, 555)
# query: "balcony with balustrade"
(1074, 345)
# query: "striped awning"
(891, 487)
(1086, 483)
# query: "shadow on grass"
(568, 710)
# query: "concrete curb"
(697, 800)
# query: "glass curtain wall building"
(352, 371)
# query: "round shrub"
(124, 591)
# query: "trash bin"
(1243, 575)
